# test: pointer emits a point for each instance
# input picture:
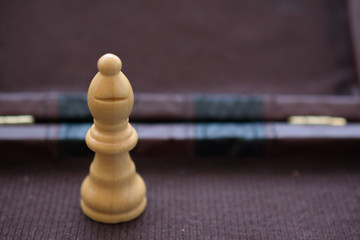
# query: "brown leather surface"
(282, 47)
(281, 107)
(291, 198)
(41, 105)
(188, 139)
(182, 107)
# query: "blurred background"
(213, 46)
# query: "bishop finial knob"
(109, 64)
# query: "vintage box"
(247, 113)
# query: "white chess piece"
(112, 192)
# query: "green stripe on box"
(73, 106)
(228, 107)
(229, 139)
(71, 139)
(211, 139)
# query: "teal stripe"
(229, 139)
(211, 139)
(71, 139)
(73, 106)
(228, 107)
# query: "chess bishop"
(113, 191)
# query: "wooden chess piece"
(112, 192)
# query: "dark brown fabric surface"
(283, 46)
(293, 198)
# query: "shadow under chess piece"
(113, 192)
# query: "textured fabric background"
(292, 198)
(213, 46)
